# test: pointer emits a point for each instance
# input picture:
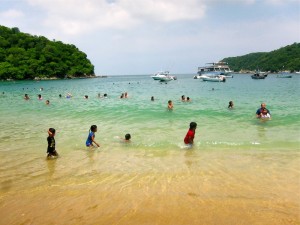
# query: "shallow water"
(240, 171)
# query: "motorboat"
(160, 75)
(218, 78)
(259, 75)
(163, 76)
(284, 74)
(214, 69)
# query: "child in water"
(189, 137)
(51, 144)
(91, 137)
(127, 137)
(264, 114)
(170, 105)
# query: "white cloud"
(281, 2)
(165, 10)
(10, 15)
(77, 16)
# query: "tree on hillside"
(23, 56)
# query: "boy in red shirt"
(189, 137)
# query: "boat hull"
(259, 76)
(286, 76)
(214, 79)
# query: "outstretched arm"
(93, 140)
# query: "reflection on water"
(51, 164)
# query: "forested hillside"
(286, 58)
(24, 56)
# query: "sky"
(132, 37)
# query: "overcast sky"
(145, 36)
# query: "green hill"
(286, 58)
(24, 56)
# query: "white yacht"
(163, 76)
(215, 68)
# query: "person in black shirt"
(51, 144)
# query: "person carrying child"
(91, 137)
(189, 137)
(51, 144)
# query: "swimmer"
(69, 95)
(170, 105)
(127, 137)
(26, 97)
(183, 98)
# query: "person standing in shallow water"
(51, 144)
(261, 109)
(189, 137)
(91, 138)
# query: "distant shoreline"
(57, 78)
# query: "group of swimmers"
(262, 112)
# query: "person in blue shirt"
(261, 109)
(91, 137)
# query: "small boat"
(259, 75)
(218, 78)
(160, 75)
(284, 74)
(163, 76)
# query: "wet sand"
(178, 187)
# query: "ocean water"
(241, 169)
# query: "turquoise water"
(240, 168)
(24, 123)
(149, 123)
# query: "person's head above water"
(93, 128)
(127, 137)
